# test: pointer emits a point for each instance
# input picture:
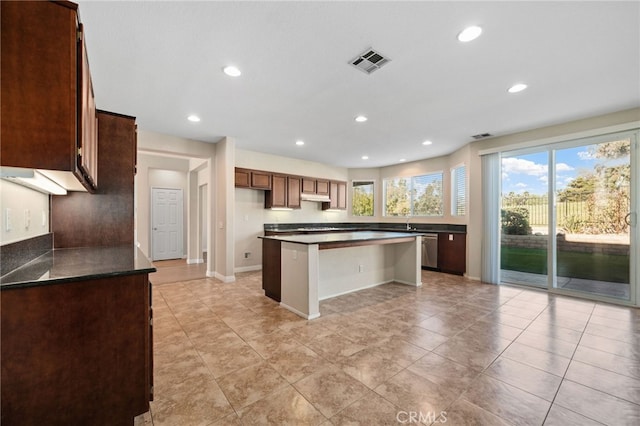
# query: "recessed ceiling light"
(402, 160)
(365, 157)
(517, 88)
(231, 71)
(469, 33)
(361, 119)
(193, 118)
(427, 143)
(299, 143)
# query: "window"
(362, 200)
(416, 196)
(458, 191)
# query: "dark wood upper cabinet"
(45, 115)
(338, 195)
(253, 179)
(277, 197)
(260, 180)
(87, 122)
(284, 193)
(243, 178)
(308, 185)
(293, 192)
(315, 186)
(322, 187)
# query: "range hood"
(315, 197)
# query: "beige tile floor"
(455, 351)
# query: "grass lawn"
(590, 266)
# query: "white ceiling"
(162, 61)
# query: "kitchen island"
(313, 267)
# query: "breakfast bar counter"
(313, 267)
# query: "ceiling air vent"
(482, 136)
(369, 61)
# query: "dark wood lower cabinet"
(76, 353)
(271, 268)
(452, 253)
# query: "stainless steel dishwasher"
(430, 251)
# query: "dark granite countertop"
(340, 237)
(309, 228)
(77, 264)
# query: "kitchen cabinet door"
(293, 192)
(87, 122)
(260, 180)
(43, 111)
(338, 195)
(308, 186)
(243, 178)
(452, 253)
(277, 197)
(322, 187)
(342, 195)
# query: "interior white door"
(166, 223)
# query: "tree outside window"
(362, 200)
(416, 196)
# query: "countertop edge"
(65, 280)
(392, 234)
(135, 263)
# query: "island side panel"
(348, 269)
(299, 280)
(408, 262)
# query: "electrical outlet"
(44, 218)
(450, 237)
(360, 268)
(27, 218)
(247, 254)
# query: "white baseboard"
(474, 278)
(297, 312)
(223, 278)
(248, 268)
(192, 261)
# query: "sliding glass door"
(593, 211)
(567, 221)
(524, 217)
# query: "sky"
(530, 172)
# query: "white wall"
(19, 199)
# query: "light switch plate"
(450, 237)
